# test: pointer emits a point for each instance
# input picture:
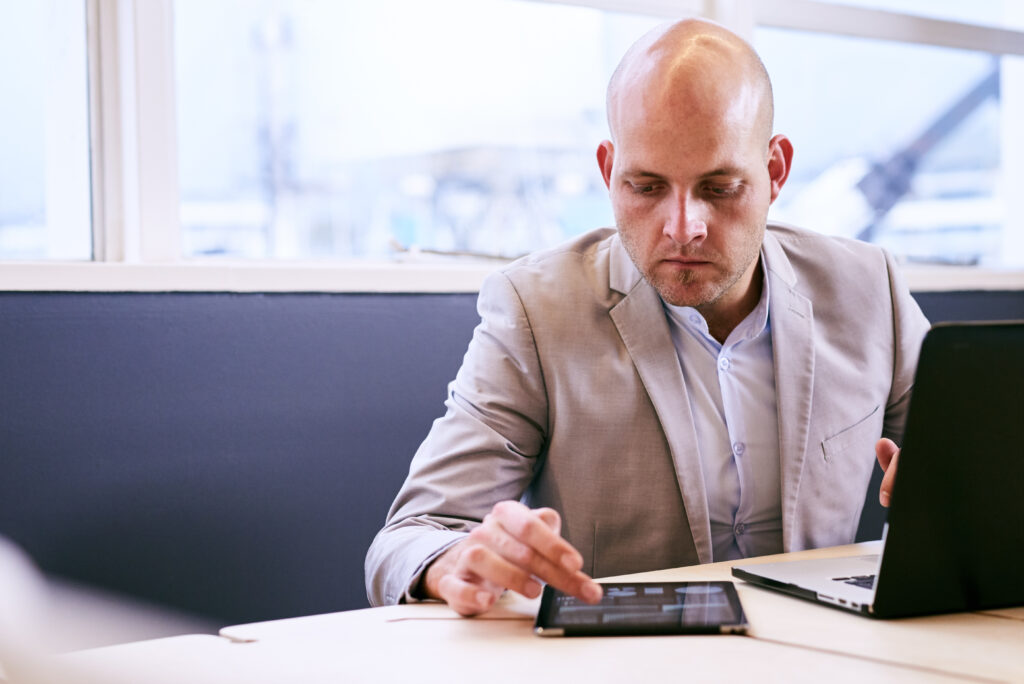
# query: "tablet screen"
(632, 608)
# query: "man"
(693, 386)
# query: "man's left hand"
(887, 453)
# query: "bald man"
(694, 385)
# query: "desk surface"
(790, 640)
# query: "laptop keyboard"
(865, 581)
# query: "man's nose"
(687, 221)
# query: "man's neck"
(723, 316)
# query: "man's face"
(690, 193)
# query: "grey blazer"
(571, 396)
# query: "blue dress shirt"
(731, 388)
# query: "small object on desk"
(644, 608)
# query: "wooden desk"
(987, 644)
(791, 640)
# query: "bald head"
(692, 68)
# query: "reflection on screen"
(651, 604)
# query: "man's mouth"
(687, 261)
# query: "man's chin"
(683, 294)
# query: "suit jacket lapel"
(641, 323)
(792, 324)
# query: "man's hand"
(513, 548)
(887, 453)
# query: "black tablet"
(636, 608)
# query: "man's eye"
(723, 190)
(643, 188)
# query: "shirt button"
(724, 363)
(740, 529)
(738, 448)
(695, 319)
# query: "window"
(363, 129)
(311, 130)
(44, 149)
(399, 136)
(1005, 13)
(905, 150)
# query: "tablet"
(636, 608)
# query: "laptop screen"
(956, 520)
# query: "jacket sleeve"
(909, 329)
(485, 449)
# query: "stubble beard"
(687, 287)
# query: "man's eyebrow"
(728, 171)
(724, 171)
(641, 173)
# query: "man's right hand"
(513, 548)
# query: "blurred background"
(308, 129)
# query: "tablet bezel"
(545, 625)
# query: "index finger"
(550, 558)
(538, 530)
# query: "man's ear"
(605, 153)
(780, 157)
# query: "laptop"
(954, 540)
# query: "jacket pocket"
(862, 431)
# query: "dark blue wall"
(229, 454)
(233, 454)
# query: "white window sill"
(246, 277)
(360, 277)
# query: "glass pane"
(895, 143)
(1000, 13)
(323, 129)
(44, 149)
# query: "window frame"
(135, 194)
